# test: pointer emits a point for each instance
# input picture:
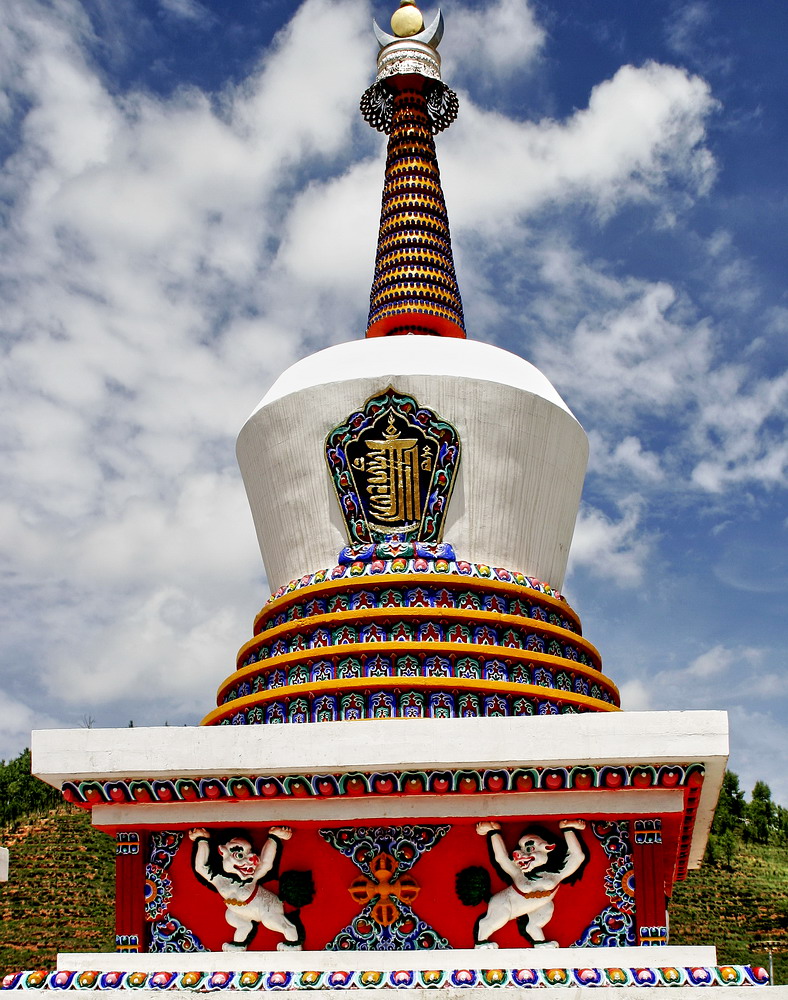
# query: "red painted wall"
(202, 910)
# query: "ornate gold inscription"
(393, 465)
(393, 477)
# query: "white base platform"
(390, 961)
(631, 970)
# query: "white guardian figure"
(226, 861)
(535, 870)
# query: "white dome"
(523, 461)
(418, 355)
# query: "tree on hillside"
(781, 829)
(731, 807)
(728, 821)
(760, 815)
(20, 792)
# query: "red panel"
(203, 911)
(649, 863)
(130, 891)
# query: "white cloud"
(626, 457)
(189, 10)
(506, 39)
(17, 719)
(717, 677)
(712, 663)
(687, 22)
(641, 128)
(741, 430)
(636, 696)
(331, 232)
(636, 355)
(610, 549)
(147, 316)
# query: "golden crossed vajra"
(383, 890)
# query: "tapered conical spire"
(414, 288)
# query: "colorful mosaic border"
(354, 784)
(724, 975)
(358, 617)
(524, 674)
(422, 645)
(399, 565)
(308, 704)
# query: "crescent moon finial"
(431, 35)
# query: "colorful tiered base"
(413, 636)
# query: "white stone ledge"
(381, 745)
(388, 961)
(397, 744)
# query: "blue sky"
(189, 202)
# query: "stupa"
(418, 775)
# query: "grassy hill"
(61, 891)
(61, 897)
(738, 908)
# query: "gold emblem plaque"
(393, 464)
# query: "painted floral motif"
(614, 926)
(406, 844)
(172, 936)
(158, 893)
(620, 884)
(406, 933)
(385, 855)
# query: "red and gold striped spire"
(414, 289)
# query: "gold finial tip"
(407, 20)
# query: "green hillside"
(61, 890)
(737, 908)
(60, 897)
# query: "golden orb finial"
(407, 19)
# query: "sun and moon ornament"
(411, 51)
(407, 22)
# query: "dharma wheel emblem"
(393, 464)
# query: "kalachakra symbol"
(393, 464)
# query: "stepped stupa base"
(387, 829)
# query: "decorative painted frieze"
(372, 979)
